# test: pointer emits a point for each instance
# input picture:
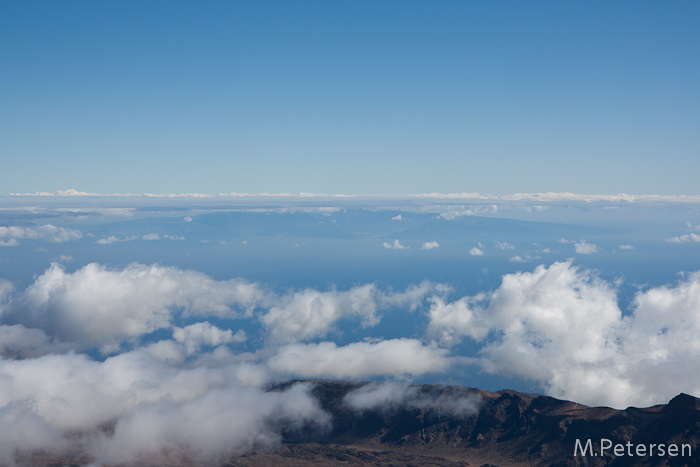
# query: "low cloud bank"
(132, 408)
(47, 232)
(393, 396)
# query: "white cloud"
(10, 242)
(476, 252)
(151, 236)
(394, 246)
(471, 211)
(46, 232)
(205, 413)
(584, 248)
(626, 247)
(98, 306)
(173, 237)
(359, 360)
(562, 327)
(505, 246)
(198, 335)
(430, 245)
(566, 197)
(20, 342)
(309, 313)
(397, 218)
(517, 259)
(691, 237)
(392, 396)
(536, 208)
(187, 218)
(113, 239)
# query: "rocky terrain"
(450, 426)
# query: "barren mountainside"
(450, 426)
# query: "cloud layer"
(198, 389)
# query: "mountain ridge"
(375, 424)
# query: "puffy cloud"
(211, 428)
(198, 335)
(149, 408)
(584, 248)
(471, 211)
(187, 218)
(563, 328)
(517, 259)
(397, 217)
(310, 313)
(18, 341)
(151, 236)
(476, 252)
(46, 232)
(10, 242)
(96, 306)
(394, 246)
(113, 239)
(392, 396)
(430, 245)
(691, 237)
(360, 359)
(626, 247)
(505, 246)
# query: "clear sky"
(350, 97)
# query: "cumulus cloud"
(691, 237)
(563, 328)
(584, 248)
(99, 307)
(394, 246)
(430, 245)
(517, 259)
(358, 360)
(10, 242)
(198, 335)
(476, 252)
(471, 211)
(397, 217)
(505, 246)
(392, 396)
(151, 236)
(311, 313)
(150, 409)
(626, 247)
(96, 306)
(113, 239)
(47, 232)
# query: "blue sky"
(350, 97)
